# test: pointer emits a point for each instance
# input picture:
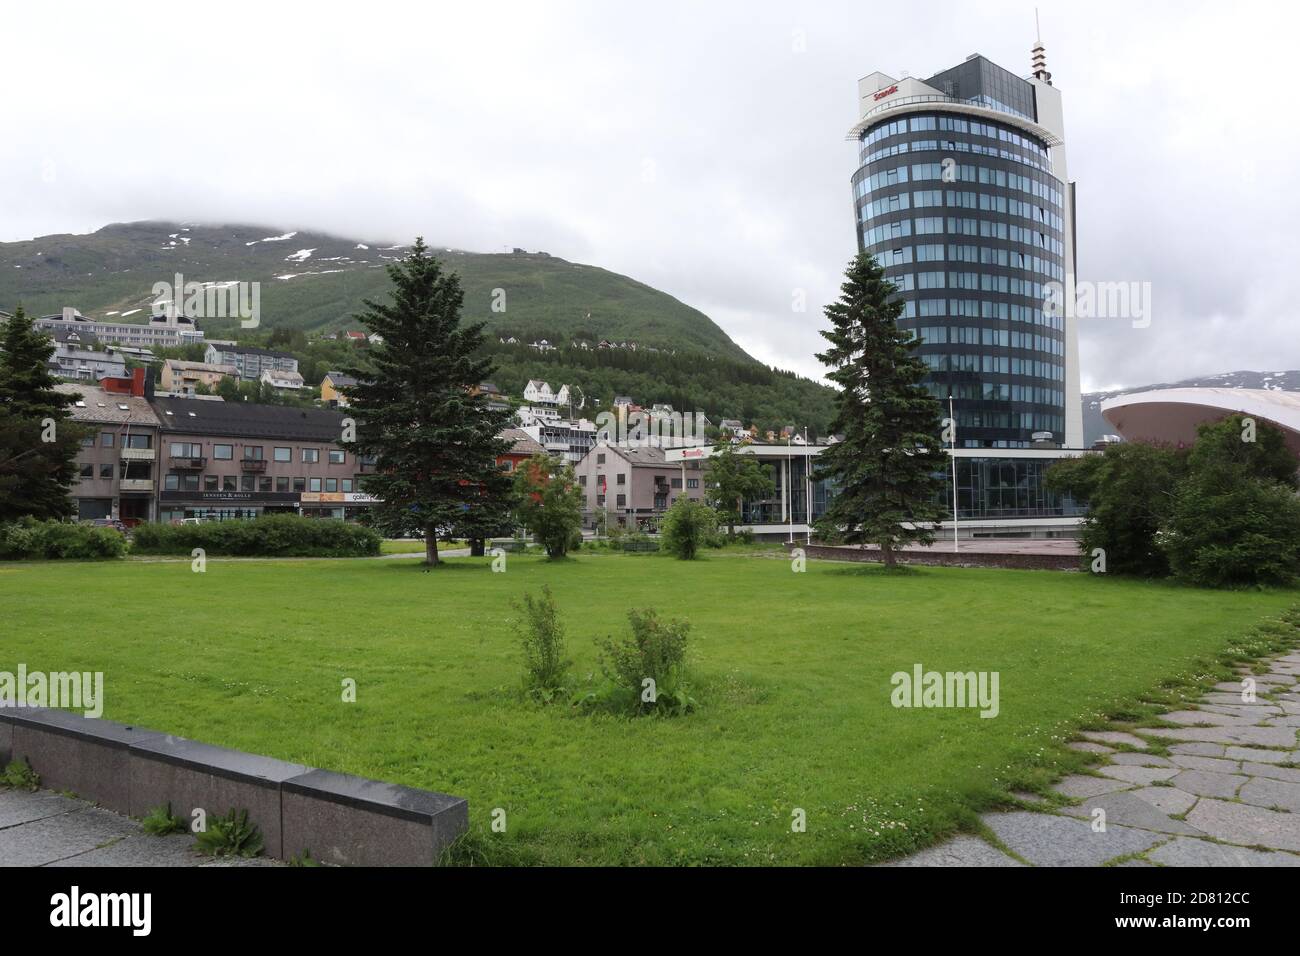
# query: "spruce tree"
(417, 410)
(886, 471)
(38, 439)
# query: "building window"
(313, 484)
(228, 483)
(247, 483)
(264, 483)
(138, 441)
(621, 501)
(181, 449)
(106, 439)
(189, 482)
(209, 482)
(337, 456)
(600, 459)
(691, 483)
(331, 484)
(677, 483)
(252, 453)
(283, 454)
(300, 484)
(347, 484)
(88, 441)
(621, 479)
(223, 452)
(310, 456)
(88, 471)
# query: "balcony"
(186, 463)
(138, 454)
(135, 484)
(253, 464)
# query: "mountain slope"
(1094, 425)
(313, 281)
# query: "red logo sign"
(885, 92)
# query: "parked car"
(109, 523)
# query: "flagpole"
(952, 418)
(789, 492)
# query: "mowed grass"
(792, 672)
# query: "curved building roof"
(1172, 414)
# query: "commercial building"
(161, 331)
(249, 361)
(632, 486)
(237, 460)
(963, 195)
(117, 463)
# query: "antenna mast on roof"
(1039, 69)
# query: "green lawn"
(792, 672)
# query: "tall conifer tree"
(886, 470)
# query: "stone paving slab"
(1263, 736)
(1140, 760)
(1079, 785)
(1139, 775)
(1185, 851)
(1087, 746)
(1214, 764)
(1205, 783)
(1114, 737)
(1048, 840)
(1263, 792)
(1289, 774)
(63, 835)
(1261, 755)
(959, 851)
(1198, 749)
(1246, 825)
(1129, 810)
(21, 806)
(1169, 799)
(1198, 718)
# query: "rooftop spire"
(1039, 53)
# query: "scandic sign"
(886, 91)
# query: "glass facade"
(997, 488)
(968, 222)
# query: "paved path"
(1226, 792)
(47, 829)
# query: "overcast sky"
(699, 148)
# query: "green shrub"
(231, 835)
(20, 775)
(160, 821)
(542, 636)
(30, 539)
(634, 541)
(285, 536)
(648, 669)
(688, 526)
(1244, 534)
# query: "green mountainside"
(313, 283)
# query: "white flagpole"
(952, 418)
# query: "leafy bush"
(231, 835)
(160, 821)
(688, 526)
(287, 536)
(29, 539)
(20, 775)
(648, 669)
(549, 503)
(1238, 531)
(545, 666)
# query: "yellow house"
(330, 385)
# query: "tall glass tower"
(962, 195)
